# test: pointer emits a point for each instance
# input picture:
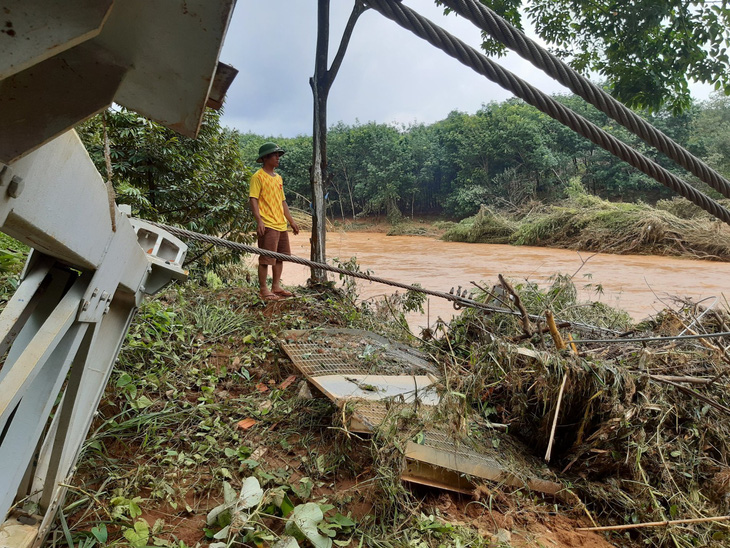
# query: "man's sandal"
(283, 293)
(270, 297)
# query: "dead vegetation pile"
(643, 429)
(588, 223)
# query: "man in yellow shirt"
(268, 203)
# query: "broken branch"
(526, 325)
(555, 419)
(653, 524)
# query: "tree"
(647, 50)
(713, 133)
(321, 84)
(199, 184)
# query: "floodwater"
(641, 285)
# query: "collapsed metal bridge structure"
(62, 61)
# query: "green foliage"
(199, 184)
(711, 135)
(12, 259)
(505, 157)
(647, 51)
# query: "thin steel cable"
(502, 31)
(652, 339)
(467, 55)
(462, 301)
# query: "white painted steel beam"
(64, 327)
(62, 61)
(30, 35)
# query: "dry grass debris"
(588, 223)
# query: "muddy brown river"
(641, 285)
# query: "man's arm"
(292, 222)
(260, 228)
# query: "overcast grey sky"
(389, 75)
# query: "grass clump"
(588, 223)
(486, 227)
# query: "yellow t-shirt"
(270, 193)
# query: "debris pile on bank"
(643, 428)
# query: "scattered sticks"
(653, 524)
(687, 390)
(555, 419)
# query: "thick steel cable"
(244, 248)
(502, 31)
(467, 55)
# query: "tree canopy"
(648, 51)
(200, 184)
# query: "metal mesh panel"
(350, 352)
(443, 442)
(315, 359)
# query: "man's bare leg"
(263, 272)
(276, 271)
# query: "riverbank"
(429, 226)
(581, 222)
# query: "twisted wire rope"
(501, 30)
(456, 299)
(467, 55)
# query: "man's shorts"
(273, 240)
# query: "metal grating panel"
(371, 414)
(314, 359)
(318, 352)
(443, 442)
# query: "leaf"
(304, 488)
(134, 509)
(139, 535)
(286, 542)
(229, 494)
(223, 533)
(304, 520)
(251, 493)
(100, 533)
(281, 500)
(143, 402)
(124, 380)
(327, 529)
(342, 521)
(212, 518)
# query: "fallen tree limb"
(653, 524)
(701, 397)
(526, 325)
